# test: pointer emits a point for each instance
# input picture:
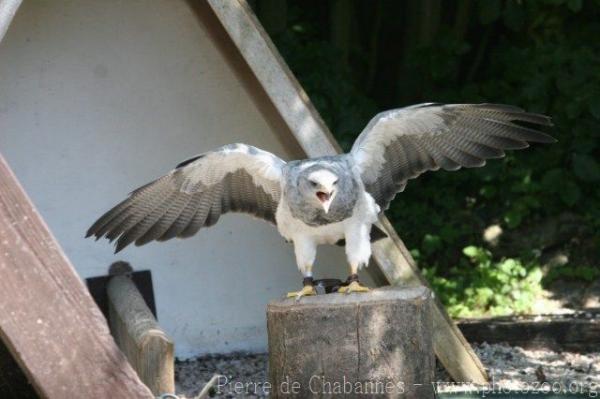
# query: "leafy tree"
(355, 58)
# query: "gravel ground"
(247, 369)
(515, 368)
(510, 368)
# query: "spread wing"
(400, 144)
(233, 178)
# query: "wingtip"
(546, 139)
(121, 245)
(92, 233)
(544, 120)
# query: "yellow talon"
(353, 287)
(307, 290)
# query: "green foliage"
(482, 286)
(542, 55)
(570, 272)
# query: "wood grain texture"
(359, 345)
(48, 320)
(314, 137)
(451, 347)
(148, 348)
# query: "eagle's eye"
(335, 182)
(313, 183)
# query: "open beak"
(325, 199)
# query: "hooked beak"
(325, 198)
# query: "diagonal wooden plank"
(314, 137)
(48, 320)
(8, 9)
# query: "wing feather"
(401, 144)
(233, 178)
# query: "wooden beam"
(136, 331)
(451, 347)
(48, 320)
(314, 137)
(8, 9)
(575, 332)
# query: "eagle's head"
(320, 187)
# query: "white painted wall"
(99, 97)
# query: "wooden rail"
(577, 332)
(147, 347)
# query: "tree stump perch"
(378, 343)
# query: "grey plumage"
(394, 147)
(295, 174)
(402, 144)
(233, 178)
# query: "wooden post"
(357, 345)
(48, 320)
(305, 123)
(136, 331)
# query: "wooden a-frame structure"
(47, 313)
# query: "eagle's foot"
(353, 285)
(307, 290)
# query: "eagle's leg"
(306, 252)
(358, 251)
(353, 285)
